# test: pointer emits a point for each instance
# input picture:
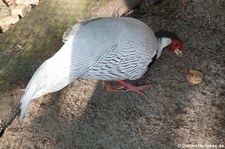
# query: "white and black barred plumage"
(102, 49)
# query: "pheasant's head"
(170, 41)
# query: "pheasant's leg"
(132, 88)
(110, 88)
(128, 87)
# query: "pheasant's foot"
(133, 88)
(109, 88)
(125, 87)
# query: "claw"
(110, 88)
(125, 87)
(178, 53)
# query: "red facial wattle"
(175, 45)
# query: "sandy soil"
(176, 114)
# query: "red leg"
(110, 88)
(129, 87)
(135, 89)
(125, 84)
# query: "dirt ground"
(176, 114)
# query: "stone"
(7, 21)
(27, 2)
(21, 10)
(10, 2)
(4, 12)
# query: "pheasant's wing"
(72, 30)
(122, 62)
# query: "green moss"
(39, 34)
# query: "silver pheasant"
(103, 49)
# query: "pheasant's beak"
(178, 52)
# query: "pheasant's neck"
(163, 42)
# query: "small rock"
(5, 22)
(2, 4)
(194, 76)
(21, 10)
(4, 12)
(9, 20)
(4, 28)
(27, 2)
(10, 2)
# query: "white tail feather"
(53, 75)
(32, 88)
(25, 101)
